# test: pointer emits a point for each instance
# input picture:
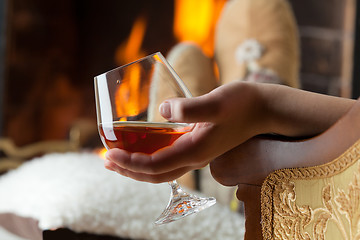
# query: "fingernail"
(165, 109)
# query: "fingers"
(182, 153)
(205, 108)
(116, 165)
(143, 163)
(137, 162)
(144, 177)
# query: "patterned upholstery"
(321, 202)
(316, 195)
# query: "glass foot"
(183, 204)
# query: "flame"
(193, 21)
(196, 20)
(130, 50)
(130, 96)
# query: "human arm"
(227, 117)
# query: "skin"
(228, 120)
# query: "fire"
(195, 21)
(132, 95)
(131, 100)
(130, 50)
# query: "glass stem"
(176, 190)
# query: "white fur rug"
(74, 190)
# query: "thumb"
(205, 108)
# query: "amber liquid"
(141, 136)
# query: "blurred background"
(50, 52)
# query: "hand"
(221, 126)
